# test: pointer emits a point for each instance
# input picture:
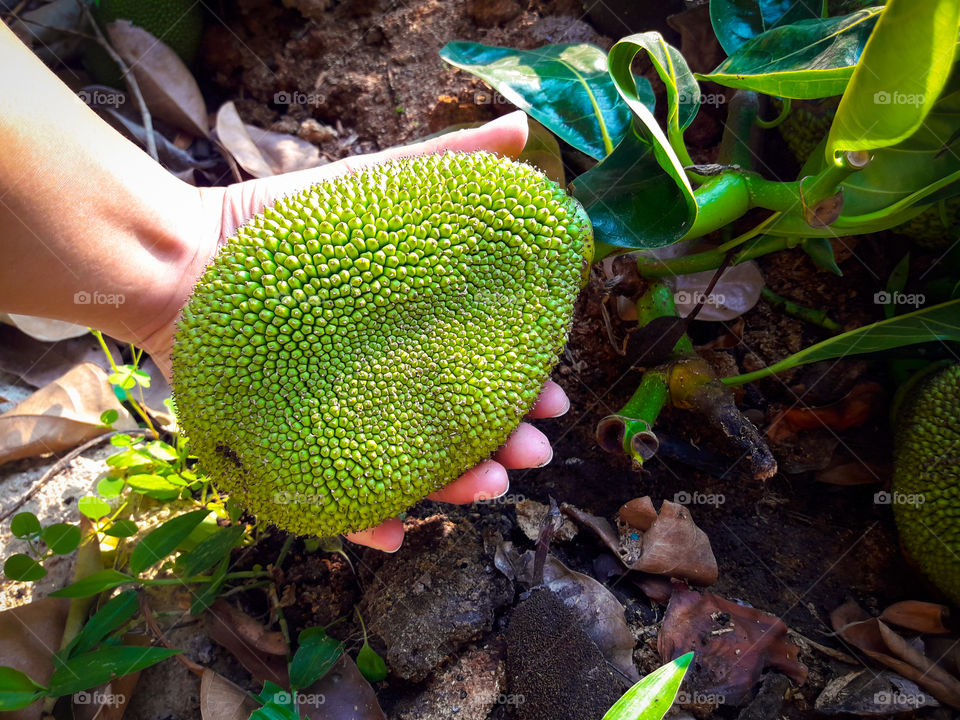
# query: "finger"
(506, 136)
(553, 402)
(482, 482)
(387, 536)
(526, 448)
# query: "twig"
(151, 622)
(60, 465)
(128, 78)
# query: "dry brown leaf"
(232, 134)
(341, 694)
(863, 402)
(638, 513)
(924, 617)
(168, 87)
(736, 292)
(61, 415)
(284, 153)
(40, 363)
(44, 329)
(246, 639)
(733, 644)
(221, 699)
(29, 635)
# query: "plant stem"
(242, 575)
(784, 113)
(712, 259)
(815, 317)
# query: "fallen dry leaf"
(221, 699)
(61, 415)
(855, 408)
(260, 152)
(29, 635)
(232, 134)
(733, 644)
(854, 473)
(871, 693)
(168, 87)
(735, 293)
(341, 694)
(39, 363)
(257, 649)
(878, 641)
(924, 617)
(44, 329)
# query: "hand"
(228, 208)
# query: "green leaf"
(650, 698)
(632, 201)
(17, 689)
(938, 322)
(821, 252)
(95, 583)
(110, 487)
(107, 619)
(109, 417)
(121, 440)
(209, 592)
(737, 21)
(121, 528)
(100, 666)
(904, 68)
(23, 567)
(316, 654)
(211, 550)
(93, 507)
(61, 538)
(161, 451)
(130, 458)
(895, 284)
(155, 486)
(370, 664)
(162, 541)
(564, 87)
(24, 525)
(683, 92)
(278, 704)
(808, 59)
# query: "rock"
(530, 514)
(487, 13)
(467, 689)
(438, 592)
(553, 665)
(316, 132)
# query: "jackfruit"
(364, 342)
(935, 227)
(806, 125)
(926, 478)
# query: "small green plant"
(887, 157)
(653, 696)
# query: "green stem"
(784, 112)
(712, 259)
(658, 302)
(815, 317)
(242, 575)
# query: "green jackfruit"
(935, 227)
(807, 125)
(926, 479)
(364, 342)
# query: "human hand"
(226, 209)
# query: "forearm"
(91, 229)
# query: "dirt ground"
(793, 546)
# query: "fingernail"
(547, 461)
(506, 489)
(566, 407)
(507, 119)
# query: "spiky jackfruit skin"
(363, 343)
(806, 125)
(926, 479)
(933, 228)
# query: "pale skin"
(84, 210)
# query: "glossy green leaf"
(808, 59)
(683, 92)
(211, 550)
(93, 507)
(109, 417)
(130, 458)
(110, 487)
(112, 615)
(211, 590)
(370, 664)
(17, 689)
(162, 541)
(95, 583)
(821, 252)
(316, 654)
(632, 201)
(565, 87)
(161, 451)
(91, 669)
(23, 568)
(121, 528)
(930, 324)
(737, 21)
(904, 68)
(155, 486)
(277, 704)
(652, 697)
(61, 538)
(24, 525)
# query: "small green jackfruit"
(364, 342)
(926, 479)
(807, 125)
